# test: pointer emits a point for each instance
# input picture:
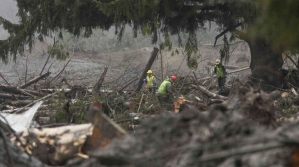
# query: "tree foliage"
(42, 18)
(279, 23)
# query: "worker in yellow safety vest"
(220, 72)
(150, 82)
(165, 90)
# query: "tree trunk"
(147, 67)
(266, 62)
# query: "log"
(206, 91)
(204, 79)
(12, 156)
(35, 80)
(8, 96)
(15, 90)
(225, 66)
(19, 110)
(147, 67)
(53, 146)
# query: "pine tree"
(40, 18)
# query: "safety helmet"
(217, 61)
(149, 71)
(173, 77)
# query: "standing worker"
(150, 81)
(220, 73)
(165, 90)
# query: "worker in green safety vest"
(150, 82)
(165, 90)
(220, 73)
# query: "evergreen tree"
(39, 18)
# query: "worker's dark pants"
(221, 82)
(165, 101)
(152, 90)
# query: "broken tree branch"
(98, 85)
(48, 57)
(4, 79)
(147, 67)
(246, 68)
(10, 89)
(8, 96)
(61, 71)
(206, 91)
(35, 80)
(230, 28)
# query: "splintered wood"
(104, 131)
(177, 105)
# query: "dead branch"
(10, 89)
(9, 96)
(48, 57)
(241, 151)
(206, 91)
(130, 82)
(19, 110)
(26, 68)
(4, 79)
(204, 79)
(35, 80)
(226, 66)
(98, 85)
(61, 71)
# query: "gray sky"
(8, 10)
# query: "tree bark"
(35, 80)
(147, 67)
(266, 62)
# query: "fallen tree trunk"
(11, 89)
(35, 80)
(8, 96)
(147, 67)
(206, 91)
(54, 146)
(246, 68)
(226, 66)
(11, 155)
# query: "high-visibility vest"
(150, 81)
(162, 88)
(219, 71)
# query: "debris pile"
(240, 132)
(203, 129)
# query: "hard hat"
(173, 78)
(149, 71)
(217, 61)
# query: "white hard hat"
(217, 60)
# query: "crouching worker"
(165, 91)
(150, 81)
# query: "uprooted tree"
(42, 18)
